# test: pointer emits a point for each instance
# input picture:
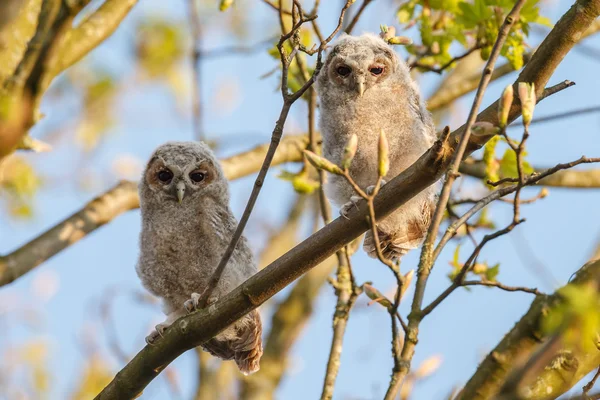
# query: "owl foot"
(348, 206)
(193, 303)
(157, 333)
(371, 189)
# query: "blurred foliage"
(96, 375)
(491, 164)
(577, 316)
(98, 90)
(506, 167)
(483, 270)
(442, 24)
(159, 46)
(508, 164)
(19, 183)
(427, 368)
(25, 371)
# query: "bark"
(569, 365)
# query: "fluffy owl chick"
(363, 88)
(186, 227)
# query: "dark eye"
(197, 176)
(343, 70)
(376, 70)
(165, 175)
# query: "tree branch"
(523, 340)
(92, 31)
(575, 179)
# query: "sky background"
(240, 110)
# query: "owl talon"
(193, 304)
(157, 333)
(152, 337)
(345, 209)
(371, 188)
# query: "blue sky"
(559, 235)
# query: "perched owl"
(186, 227)
(363, 88)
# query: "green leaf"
(508, 165)
(492, 273)
(544, 21)
(455, 258)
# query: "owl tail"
(244, 346)
(401, 241)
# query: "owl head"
(182, 172)
(356, 64)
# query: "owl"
(363, 88)
(186, 227)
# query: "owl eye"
(197, 176)
(343, 70)
(376, 70)
(165, 175)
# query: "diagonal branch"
(92, 31)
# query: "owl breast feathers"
(186, 227)
(363, 88)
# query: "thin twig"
(591, 383)
(439, 70)
(232, 51)
(196, 28)
(531, 180)
(396, 377)
(356, 17)
(502, 286)
(563, 115)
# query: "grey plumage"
(363, 88)
(186, 227)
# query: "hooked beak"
(180, 190)
(360, 86)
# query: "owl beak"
(180, 190)
(360, 87)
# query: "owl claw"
(348, 206)
(157, 333)
(371, 188)
(193, 304)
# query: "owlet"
(186, 227)
(363, 88)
